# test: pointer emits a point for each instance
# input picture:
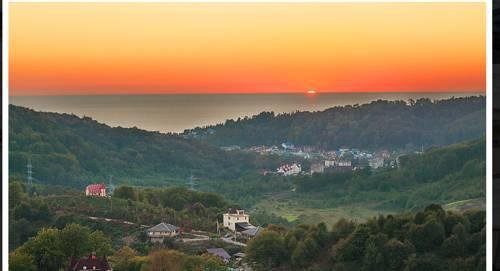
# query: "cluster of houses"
(329, 165)
(343, 159)
(237, 222)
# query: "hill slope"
(380, 124)
(68, 150)
(439, 175)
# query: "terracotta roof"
(96, 187)
(100, 264)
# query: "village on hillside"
(235, 230)
(323, 161)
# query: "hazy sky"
(107, 48)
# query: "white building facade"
(289, 170)
(232, 218)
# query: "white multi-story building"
(233, 218)
(337, 163)
(329, 163)
(344, 163)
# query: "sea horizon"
(175, 113)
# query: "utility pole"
(30, 176)
(218, 227)
(191, 183)
(110, 187)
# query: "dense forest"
(430, 240)
(68, 150)
(377, 125)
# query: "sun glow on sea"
(311, 92)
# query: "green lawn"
(287, 206)
(290, 206)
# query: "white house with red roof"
(289, 170)
(96, 189)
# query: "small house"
(344, 163)
(90, 263)
(161, 231)
(96, 190)
(317, 168)
(221, 253)
(330, 163)
(376, 162)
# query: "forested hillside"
(380, 124)
(68, 150)
(430, 240)
(182, 207)
(439, 175)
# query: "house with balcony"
(161, 231)
(236, 220)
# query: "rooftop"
(219, 252)
(252, 231)
(162, 227)
(90, 263)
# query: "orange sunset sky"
(111, 48)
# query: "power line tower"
(111, 189)
(191, 182)
(29, 172)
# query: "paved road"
(229, 241)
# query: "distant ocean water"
(175, 113)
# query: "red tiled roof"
(89, 263)
(96, 187)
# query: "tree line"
(377, 125)
(452, 173)
(432, 239)
(72, 151)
